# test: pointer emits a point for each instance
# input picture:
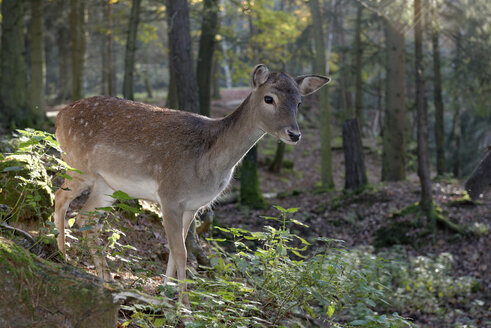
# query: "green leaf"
(86, 227)
(292, 210)
(358, 322)
(71, 222)
(370, 302)
(279, 208)
(13, 168)
(299, 223)
(121, 195)
(129, 208)
(330, 310)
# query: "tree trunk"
(64, 59)
(423, 153)
(204, 67)
(180, 55)
(355, 176)
(109, 74)
(13, 71)
(250, 195)
(437, 93)
(456, 128)
(344, 79)
(480, 178)
(215, 80)
(325, 114)
(275, 166)
(38, 293)
(456, 140)
(148, 86)
(394, 130)
(358, 65)
(77, 45)
(171, 91)
(37, 61)
(129, 59)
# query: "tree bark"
(109, 74)
(129, 59)
(422, 113)
(250, 195)
(456, 128)
(13, 71)
(180, 55)
(37, 61)
(355, 172)
(77, 46)
(480, 178)
(394, 129)
(64, 55)
(325, 114)
(358, 65)
(275, 166)
(209, 27)
(437, 96)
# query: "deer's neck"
(235, 135)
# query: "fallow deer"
(180, 160)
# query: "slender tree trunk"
(77, 45)
(109, 76)
(171, 91)
(325, 114)
(394, 130)
(456, 128)
(344, 80)
(209, 27)
(355, 172)
(148, 86)
(215, 81)
(129, 59)
(13, 71)
(37, 61)
(180, 55)
(275, 166)
(64, 56)
(437, 93)
(358, 65)
(456, 140)
(423, 153)
(250, 193)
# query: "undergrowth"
(269, 278)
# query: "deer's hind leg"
(69, 190)
(99, 197)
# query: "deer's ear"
(308, 84)
(259, 75)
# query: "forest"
(371, 209)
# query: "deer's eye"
(268, 100)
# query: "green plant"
(271, 278)
(27, 169)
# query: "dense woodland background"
(416, 76)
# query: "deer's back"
(102, 134)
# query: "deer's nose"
(294, 136)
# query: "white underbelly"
(136, 187)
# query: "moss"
(395, 233)
(39, 293)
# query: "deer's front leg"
(176, 224)
(170, 272)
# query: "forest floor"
(354, 219)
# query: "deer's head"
(276, 98)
